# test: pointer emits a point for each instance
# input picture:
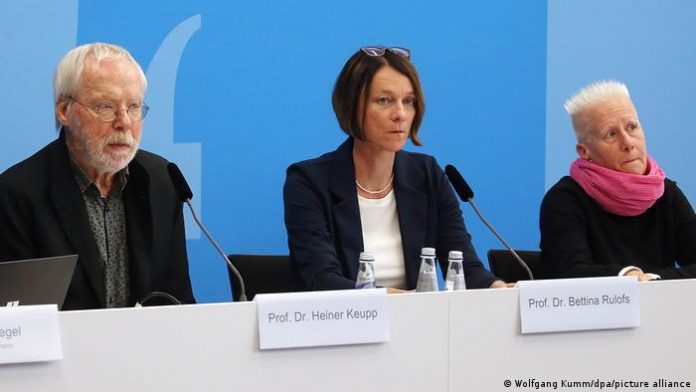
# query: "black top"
(107, 220)
(322, 218)
(42, 214)
(579, 238)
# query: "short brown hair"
(353, 86)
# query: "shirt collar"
(84, 182)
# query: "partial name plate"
(322, 318)
(579, 304)
(30, 334)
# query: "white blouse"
(382, 236)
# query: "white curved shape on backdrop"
(158, 134)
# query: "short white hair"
(68, 75)
(590, 96)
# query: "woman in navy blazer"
(369, 193)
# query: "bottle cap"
(455, 255)
(428, 252)
(367, 256)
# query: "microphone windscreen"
(180, 184)
(460, 186)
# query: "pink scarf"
(617, 192)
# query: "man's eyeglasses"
(108, 111)
(377, 51)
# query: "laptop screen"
(36, 281)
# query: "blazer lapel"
(70, 207)
(412, 209)
(140, 232)
(345, 210)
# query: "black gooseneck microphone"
(466, 194)
(184, 191)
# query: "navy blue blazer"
(322, 218)
(42, 214)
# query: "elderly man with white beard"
(94, 193)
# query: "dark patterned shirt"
(107, 219)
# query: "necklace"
(376, 192)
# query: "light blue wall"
(239, 90)
(650, 46)
(33, 34)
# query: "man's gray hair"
(68, 74)
(590, 96)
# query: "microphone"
(180, 184)
(184, 191)
(467, 194)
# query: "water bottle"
(455, 272)
(427, 276)
(366, 271)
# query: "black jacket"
(579, 238)
(322, 218)
(43, 214)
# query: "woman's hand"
(499, 284)
(642, 277)
(392, 290)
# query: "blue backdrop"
(239, 90)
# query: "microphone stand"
(242, 288)
(485, 222)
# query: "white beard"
(93, 152)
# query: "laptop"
(36, 281)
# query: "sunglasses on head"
(377, 51)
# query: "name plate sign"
(322, 318)
(579, 304)
(30, 334)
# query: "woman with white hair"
(616, 214)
